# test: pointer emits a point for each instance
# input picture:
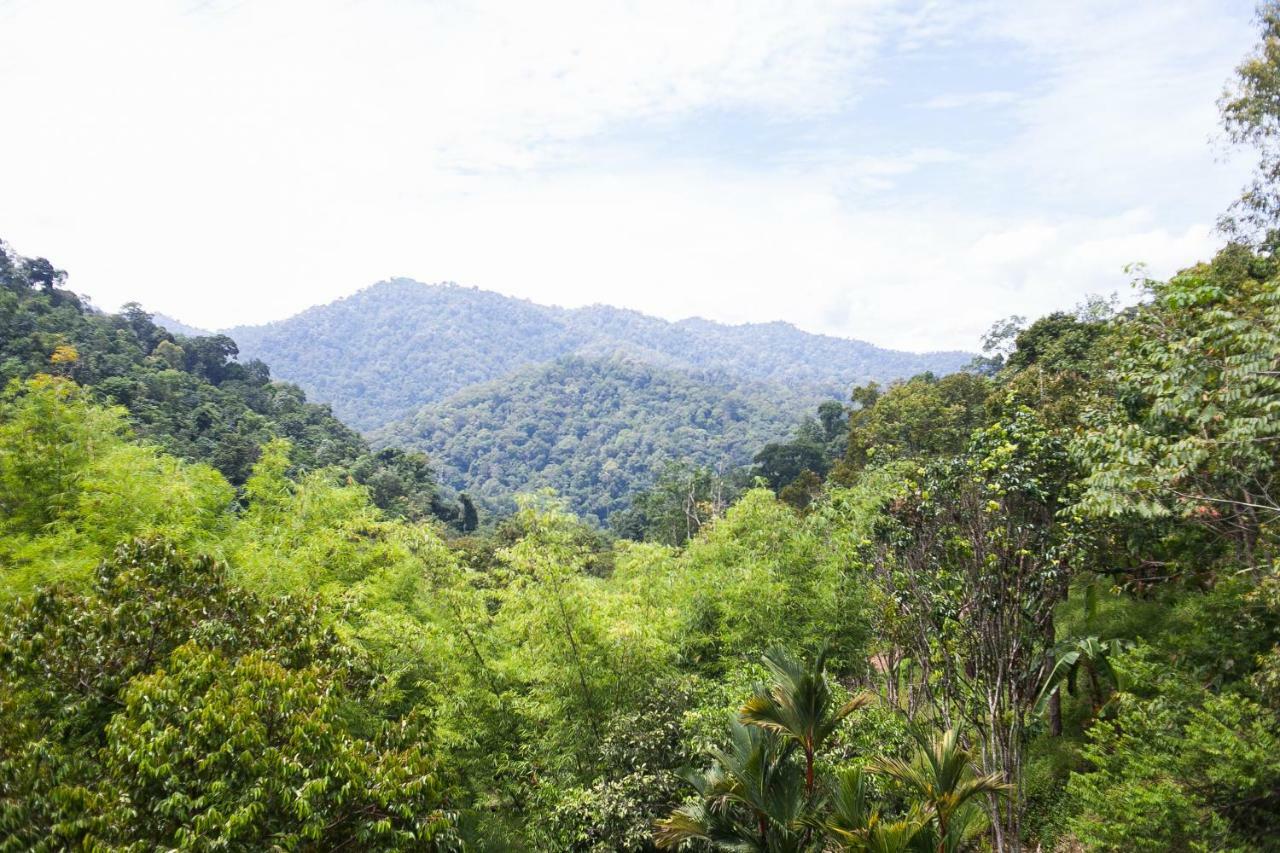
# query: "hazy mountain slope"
(178, 327)
(379, 355)
(770, 352)
(594, 429)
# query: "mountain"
(595, 429)
(178, 327)
(381, 354)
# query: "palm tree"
(1089, 654)
(858, 827)
(750, 798)
(798, 705)
(942, 775)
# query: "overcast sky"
(904, 173)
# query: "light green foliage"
(166, 708)
(757, 577)
(72, 486)
(315, 534)
(580, 649)
(212, 752)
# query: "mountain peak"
(379, 355)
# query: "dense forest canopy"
(1031, 606)
(594, 429)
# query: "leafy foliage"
(166, 708)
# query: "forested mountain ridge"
(595, 429)
(379, 355)
(188, 394)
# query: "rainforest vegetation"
(1031, 605)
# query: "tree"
(751, 797)
(256, 754)
(975, 560)
(470, 518)
(165, 708)
(942, 775)
(1250, 111)
(857, 825)
(672, 511)
(1191, 429)
(779, 464)
(921, 418)
(798, 705)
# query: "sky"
(900, 172)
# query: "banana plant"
(1086, 654)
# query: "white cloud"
(230, 162)
(967, 100)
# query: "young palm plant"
(750, 799)
(855, 824)
(943, 777)
(798, 706)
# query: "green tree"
(166, 708)
(1191, 431)
(943, 777)
(1251, 116)
(797, 705)
(923, 417)
(751, 798)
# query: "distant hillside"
(178, 327)
(381, 354)
(594, 429)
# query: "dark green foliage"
(795, 469)
(920, 418)
(641, 754)
(382, 354)
(1179, 767)
(779, 464)
(189, 395)
(764, 790)
(593, 429)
